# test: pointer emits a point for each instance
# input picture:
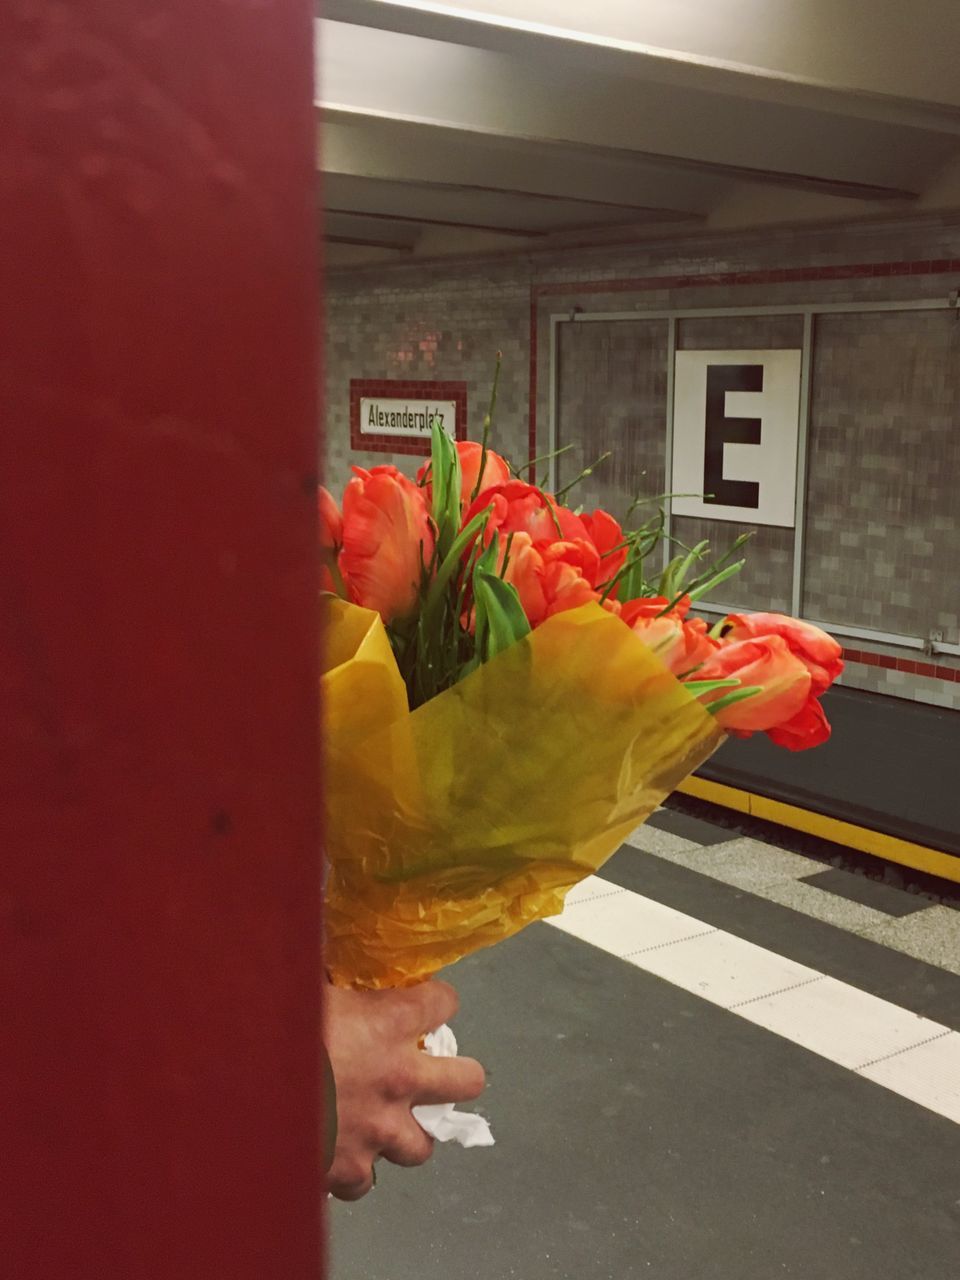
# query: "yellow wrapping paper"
(452, 827)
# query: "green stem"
(487, 423)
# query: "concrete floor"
(645, 1132)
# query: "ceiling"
(519, 124)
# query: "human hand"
(372, 1038)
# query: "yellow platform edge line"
(891, 848)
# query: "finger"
(448, 1080)
(409, 1146)
(429, 1006)
(350, 1181)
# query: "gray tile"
(663, 843)
(800, 896)
(871, 893)
(932, 935)
(682, 824)
(747, 863)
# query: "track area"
(690, 810)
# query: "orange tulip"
(495, 471)
(388, 539)
(565, 587)
(818, 652)
(331, 521)
(766, 663)
(579, 554)
(519, 507)
(549, 578)
(607, 537)
(653, 607)
(681, 646)
(331, 537)
(525, 572)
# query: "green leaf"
(451, 561)
(499, 606)
(696, 593)
(738, 695)
(705, 686)
(445, 470)
(487, 424)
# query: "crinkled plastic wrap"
(452, 827)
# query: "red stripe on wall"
(697, 280)
(780, 275)
(534, 337)
(912, 666)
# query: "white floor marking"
(906, 1053)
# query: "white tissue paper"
(442, 1121)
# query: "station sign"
(397, 416)
(736, 427)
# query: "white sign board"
(736, 417)
(380, 416)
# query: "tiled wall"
(612, 397)
(427, 325)
(883, 533)
(883, 541)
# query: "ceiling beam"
(366, 243)
(883, 51)
(390, 75)
(412, 219)
(365, 146)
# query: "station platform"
(723, 1061)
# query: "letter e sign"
(736, 421)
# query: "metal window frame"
(807, 313)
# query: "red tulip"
(388, 538)
(808, 728)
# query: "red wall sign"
(395, 417)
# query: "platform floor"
(722, 1062)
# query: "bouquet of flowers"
(507, 694)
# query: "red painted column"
(159, 880)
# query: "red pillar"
(159, 883)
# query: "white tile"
(626, 922)
(929, 1075)
(723, 969)
(840, 1022)
(589, 888)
